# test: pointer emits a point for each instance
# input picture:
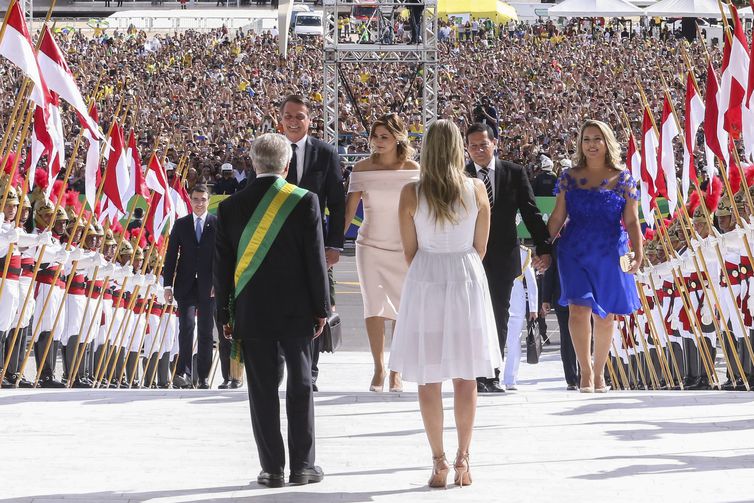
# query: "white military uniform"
(521, 296)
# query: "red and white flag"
(180, 199)
(666, 155)
(694, 113)
(633, 158)
(47, 139)
(715, 136)
(17, 47)
(747, 111)
(136, 185)
(161, 211)
(735, 78)
(58, 77)
(649, 146)
(117, 175)
(91, 169)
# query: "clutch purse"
(332, 335)
(533, 343)
(625, 261)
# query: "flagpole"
(672, 354)
(44, 246)
(688, 232)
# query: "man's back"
(289, 289)
(544, 184)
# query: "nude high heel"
(396, 384)
(463, 471)
(440, 469)
(377, 388)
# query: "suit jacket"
(323, 176)
(513, 194)
(187, 261)
(290, 287)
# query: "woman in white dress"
(446, 327)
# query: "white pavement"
(535, 445)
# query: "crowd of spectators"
(209, 94)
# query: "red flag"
(666, 154)
(117, 176)
(180, 199)
(694, 116)
(161, 210)
(655, 181)
(714, 133)
(136, 184)
(735, 78)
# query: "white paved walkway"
(536, 445)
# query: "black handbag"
(533, 343)
(332, 335)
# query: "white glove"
(77, 254)
(150, 278)
(11, 235)
(107, 270)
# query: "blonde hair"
(442, 176)
(612, 157)
(396, 127)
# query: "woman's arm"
(631, 222)
(558, 216)
(482, 229)
(406, 211)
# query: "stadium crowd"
(211, 93)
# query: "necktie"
(485, 172)
(198, 230)
(293, 167)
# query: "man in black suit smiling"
(187, 275)
(272, 296)
(509, 192)
(315, 166)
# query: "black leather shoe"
(234, 384)
(271, 479)
(571, 387)
(481, 387)
(81, 383)
(181, 382)
(306, 476)
(728, 385)
(203, 384)
(495, 386)
(740, 386)
(23, 382)
(49, 382)
(225, 384)
(6, 384)
(314, 387)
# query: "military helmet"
(12, 198)
(725, 208)
(26, 202)
(110, 238)
(125, 249)
(43, 212)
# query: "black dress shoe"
(271, 479)
(495, 387)
(481, 387)
(49, 382)
(234, 384)
(729, 385)
(306, 476)
(81, 383)
(6, 384)
(225, 384)
(181, 382)
(571, 387)
(740, 386)
(23, 382)
(203, 384)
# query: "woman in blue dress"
(596, 214)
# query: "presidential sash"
(263, 227)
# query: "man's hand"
(332, 256)
(545, 309)
(533, 316)
(319, 326)
(541, 262)
(168, 296)
(228, 331)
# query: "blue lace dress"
(591, 244)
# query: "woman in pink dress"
(377, 181)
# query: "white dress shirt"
(491, 175)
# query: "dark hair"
(478, 127)
(297, 99)
(200, 187)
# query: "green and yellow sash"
(263, 227)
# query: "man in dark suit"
(279, 310)
(509, 192)
(550, 295)
(315, 166)
(187, 275)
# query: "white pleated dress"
(445, 327)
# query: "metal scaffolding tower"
(338, 52)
